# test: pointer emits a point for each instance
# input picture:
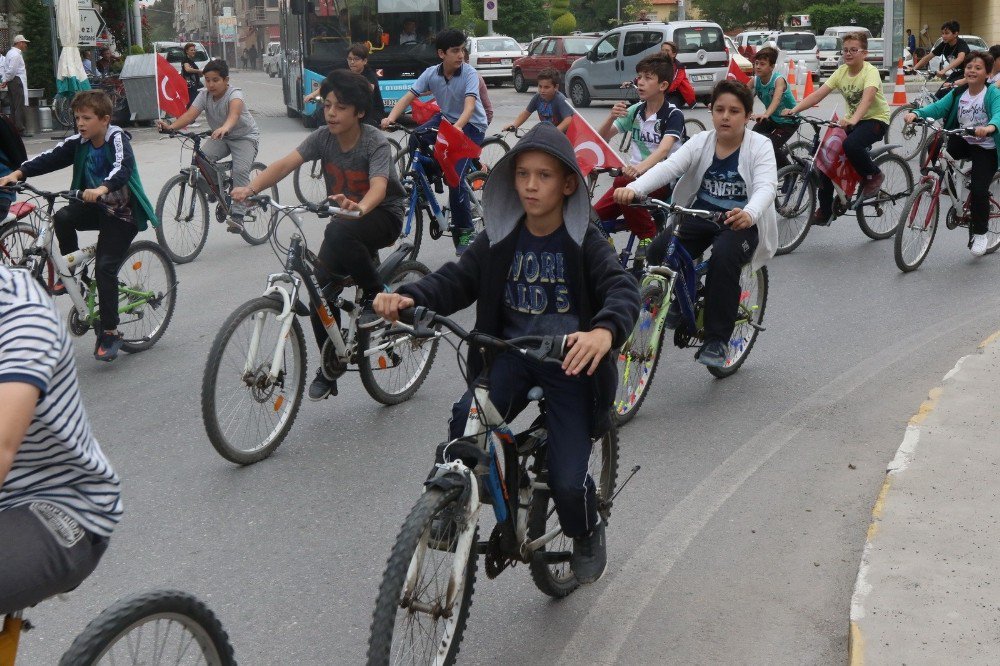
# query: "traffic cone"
(809, 85)
(791, 79)
(899, 92)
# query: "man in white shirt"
(15, 75)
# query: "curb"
(899, 463)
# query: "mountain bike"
(911, 138)
(309, 182)
(941, 177)
(681, 278)
(147, 628)
(798, 186)
(255, 374)
(182, 206)
(422, 181)
(147, 282)
(426, 591)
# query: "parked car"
(828, 54)
(174, 53)
(493, 57)
(800, 47)
(556, 52)
(975, 44)
(841, 30)
(748, 42)
(701, 47)
(743, 63)
(273, 60)
(876, 56)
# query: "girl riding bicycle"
(976, 104)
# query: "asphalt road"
(738, 542)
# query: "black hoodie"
(606, 295)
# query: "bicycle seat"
(536, 394)
(21, 209)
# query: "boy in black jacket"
(542, 269)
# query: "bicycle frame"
(205, 175)
(421, 188)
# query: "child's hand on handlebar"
(738, 219)
(92, 195)
(787, 112)
(624, 196)
(909, 118)
(241, 193)
(586, 350)
(10, 179)
(220, 133)
(386, 122)
(983, 132)
(344, 203)
(388, 305)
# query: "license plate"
(701, 77)
(505, 61)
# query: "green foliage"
(594, 15)
(136, 49)
(556, 9)
(564, 25)
(159, 18)
(38, 58)
(631, 12)
(848, 13)
(769, 13)
(520, 19)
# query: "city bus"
(315, 36)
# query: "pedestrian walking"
(15, 75)
(253, 56)
(245, 58)
(192, 75)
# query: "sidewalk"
(926, 591)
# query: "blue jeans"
(458, 198)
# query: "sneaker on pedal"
(712, 354)
(57, 289)
(367, 319)
(234, 224)
(979, 245)
(872, 185)
(820, 219)
(108, 346)
(322, 388)
(465, 238)
(590, 555)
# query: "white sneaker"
(978, 245)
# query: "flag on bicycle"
(171, 89)
(451, 147)
(831, 160)
(590, 148)
(736, 73)
(421, 112)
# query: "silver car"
(493, 56)
(829, 55)
(800, 47)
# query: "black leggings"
(984, 165)
(779, 134)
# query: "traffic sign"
(490, 10)
(91, 27)
(227, 28)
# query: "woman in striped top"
(59, 497)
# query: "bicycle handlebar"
(650, 202)
(958, 131)
(71, 195)
(613, 171)
(322, 209)
(173, 134)
(815, 122)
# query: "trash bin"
(32, 123)
(139, 77)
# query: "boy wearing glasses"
(866, 122)
(357, 62)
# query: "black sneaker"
(712, 353)
(367, 319)
(108, 346)
(590, 556)
(322, 388)
(673, 318)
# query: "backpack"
(11, 144)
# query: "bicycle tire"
(372, 368)
(744, 335)
(693, 124)
(882, 209)
(476, 181)
(16, 237)
(150, 322)
(640, 355)
(309, 183)
(993, 217)
(799, 149)
(258, 389)
(389, 603)
(911, 228)
(491, 151)
(118, 621)
(416, 235)
(556, 579)
(258, 223)
(62, 111)
(395, 148)
(794, 204)
(910, 138)
(188, 224)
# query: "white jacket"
(757, 167)
(14, 68)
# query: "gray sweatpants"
(17, 109)
(244, 152)
(44, 552)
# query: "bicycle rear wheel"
(414, 623)
(246, 412)
(916, 229)
(993, 219)
(801, 149)
(879, 216)
(795, 204)
(910, 138)
(258, 223)
(693, 126)
(555, 578)
(150, 627)
(309, 183)
(62, 111)
(492, 150)
(182, 211)
(639, 356)
(753, 301)
(147, 291)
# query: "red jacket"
(682, 85)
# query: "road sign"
(91, 27)
(490, 10)
(227, 28)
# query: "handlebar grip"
(409, 315)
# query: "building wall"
(976, 18)
(986, 19)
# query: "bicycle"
(147, 281)
(629, 260)
(422, 180)
(255, 373)
(17, 232)
(423, 601)
(182, 206)
(681, 279)
(798, 185)
(309, 182)
(911, 138)
(112, 86)
(941, 175)
(141, 629)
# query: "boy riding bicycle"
(114, 202)
(360, 176)
(542, 269)
(732, 171)
(773, 91)
(234, 131)
(548, 102)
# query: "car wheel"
(579, 94)
(520, 85)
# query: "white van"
(841, 30)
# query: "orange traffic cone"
(791, 79)
(809, 85)
(899, 92)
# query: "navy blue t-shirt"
(722, 187)
(537, 298)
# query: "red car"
(557, 52)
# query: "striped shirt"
(59, 461)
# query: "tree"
(595, 15)
(160, 18)
(730, 14)
(38, 58)
(848, 13)
(520, 19)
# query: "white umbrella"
(70, 75)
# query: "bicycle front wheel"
(15, 239)
(492, 150)
(147, 291)
(146, 628)
(640, 354)
(414, 622)
(247, 408)
(753, 301)
(800, 149)
(396, 371)
(909, 138)
(879, 216)
(549, 565)
(61, 110)
(476, 181)
(258, 223)
(182, 211)
(916, 229)
(309, 183)
(794, 204)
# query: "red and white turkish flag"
(451, 147)
(832, 161)
(421, 112)
(591, 149)
(736, 73)
(171, 88)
